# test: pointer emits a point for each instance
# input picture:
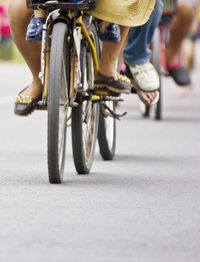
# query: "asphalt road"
(142, 207)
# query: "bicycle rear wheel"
(107, 131)
(57, 102)
(107, 134)
(156, 61)
(85, 117)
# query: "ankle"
(39, 14)
(36, 82)
(107, 71)
(172, 57)
(173, 61)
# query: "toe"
(147, 98)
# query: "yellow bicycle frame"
(85, 33)
(94, 55)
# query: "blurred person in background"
(188, 47)
(5, 34)
(180, 27)
(137, 53)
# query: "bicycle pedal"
(95, 98)
(104, 92)
(101, 93)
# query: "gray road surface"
(142, 207)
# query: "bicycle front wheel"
(85, 117)
(57, 102)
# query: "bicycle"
(69, 61)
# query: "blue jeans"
(137, 50)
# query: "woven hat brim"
(124, 12)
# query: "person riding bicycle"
(180, 26)
(129, 13)
(106, 31)
(137, 52)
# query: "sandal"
(145, 88)
(179, 73)
(25, 105)
(104, 85)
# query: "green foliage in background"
(9, 52)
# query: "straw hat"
(124, 12)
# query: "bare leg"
(110, 53)
(19, 17)
(121, 64)
(39, 13)
(180, 26)
(188, 46)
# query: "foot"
(179, 73)
(34, 29)
(33, 90)
(27, 99)
(111, 85)
(146, 82)
(149, 98)
(109, 33)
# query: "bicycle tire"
(156, 60)
(107, 134)
(145, 110)
(57, 102)
(107, 131)
(85, 117)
